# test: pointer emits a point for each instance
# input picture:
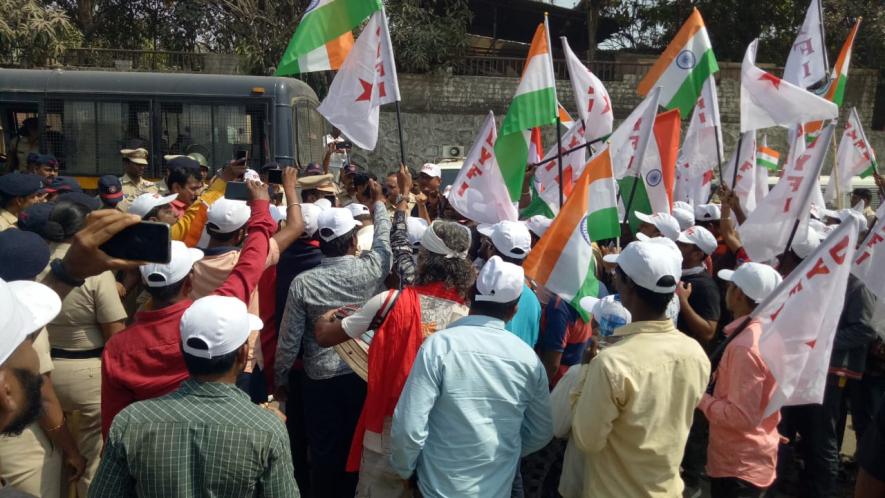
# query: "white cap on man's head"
(227, 215)
(310, 213)
(145, 203)
(179, 265)
(685, 217)
(654, 264)
(323, 203)
(220, 323)
(707, 212)
(804, 246)
(665, 223)
(700, 237)
(357, 209)
(538, 224)
(608, 312)
(682, 205)
(25, 307)
(431, 170)
(755, 280)
(499, 281)
(415, 228)
(511, 238)
(335, 222)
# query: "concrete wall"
(440, 110)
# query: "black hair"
(501, 311)
(166, 293)
(180, 175)
(153, 213)
(338, 246)
(31, 384)
(5, 200)
(863, 193)
(219, 236)
(656, 301)
(65, 220)
(508, 259)
(208, 366)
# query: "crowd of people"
(340, 335)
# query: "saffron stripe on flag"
(687, 94)
(691, 26)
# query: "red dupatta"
(391, 355)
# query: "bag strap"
(384, 310)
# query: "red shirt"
(144, 360)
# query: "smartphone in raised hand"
(147, 241)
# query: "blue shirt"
(475, 401)
(526, 323)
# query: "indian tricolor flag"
(767, 157)
(683, 67)
(533, 105)
(565, 118)
(836, 90)
(563, 259)
(323, 38)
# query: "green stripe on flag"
(512, 153)
(603, 224)
(869, 171)
(685, 98)
(537, 206)
(529, 110)
(640, 200)
(766, 164)
(839, 94)
(322, 25)
(590, 287)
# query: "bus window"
(86, 136)
(311, 129)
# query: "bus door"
(12, 132)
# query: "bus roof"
(136, 83)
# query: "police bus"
(86, 117)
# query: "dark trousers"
(694, 461)
(817, 443)
(331, 410)
(732, 487)
(864, 396)
(298, 431)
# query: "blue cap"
(64, 184)
(110, 189)
(20, 184)
(184, 162)
(23, 255)
(89, 202)
(35, 217)
(45, 159)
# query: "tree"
(428, 35)
(34, 35)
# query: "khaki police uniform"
(7, 220)
(29, 462)
(77, 342)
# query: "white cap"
(685, 217)
(335, 222)
(310, 213)
(499, 281)
(25, 307)
(323, 203)
(608, 312)
(431, 170)
(707, 212)
(179, 265)
(222, 322)
(755, 280)
(683, 205)
(803, 247)
(701, 237)
(415, 228)
(226, 215)
(251, 175)
(646, 262)
(358, 209)
(511, 238)
(848, 213)
(666, 224)
(278, 213)
(144, 203)
(538, 224)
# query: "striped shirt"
(336, 282)
(204, 440)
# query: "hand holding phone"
(275, 176)
(146, 241)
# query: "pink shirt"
(742, 443)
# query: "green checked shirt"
(203, 440)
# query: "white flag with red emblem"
(479, 192)
(767, 229)
(591, 97)
(547, 178)
(807, 62)
(744, 182)
(699, 155)
(869, 266)
(799, 320)
(366, 80)
(767, 100)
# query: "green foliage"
(428, 35)
(34, 35)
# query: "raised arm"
(294, 221)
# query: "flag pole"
(573, 149)
(834, 176)
(559, 158)
(399, 125)
(718, 150)
(737, 156)
(823, 36)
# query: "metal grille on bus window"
(86, 136)
(303, 115)
(185, 128)
(315, 137)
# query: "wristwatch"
(57, 267)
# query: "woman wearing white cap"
(401, 320)
(742, 450)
